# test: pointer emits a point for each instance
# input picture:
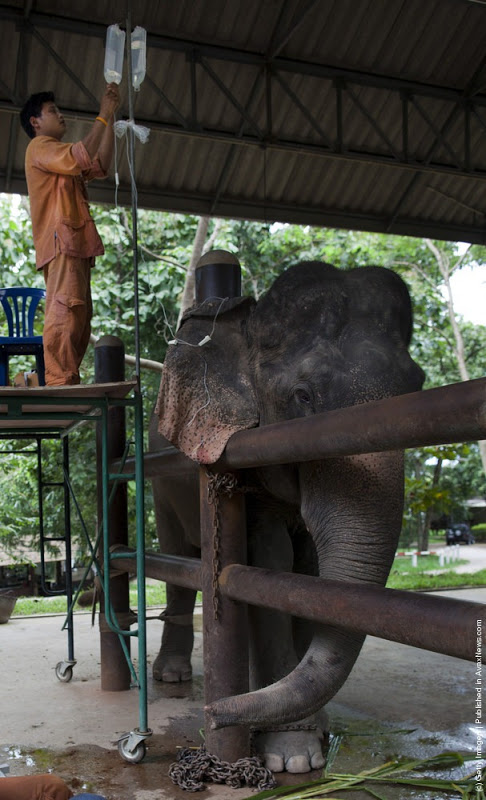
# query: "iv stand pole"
(132, 746)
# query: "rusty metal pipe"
(419, 620)
(180, 570)
(169, 462)
(454, 413)
(439, 624)
(115, 671)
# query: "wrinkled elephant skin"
(320, 339)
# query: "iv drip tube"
(131, 145)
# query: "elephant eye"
(303, 397)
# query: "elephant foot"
(296, 751)
(173, 663)
(172, 669)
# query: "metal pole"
(67, 537)
(169, 461)
(223, 541)
(419, 620)
(141, 599)
(110, 367)
(40, 500)
(455, 413)
(181, 570)
(138, 414)
(225, 622)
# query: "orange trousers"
(67, 324)
(34, 787)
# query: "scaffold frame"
(47, 412)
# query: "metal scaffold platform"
(54, 413)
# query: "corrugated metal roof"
(366, 114)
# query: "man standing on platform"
(65, 236)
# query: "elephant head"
(320, 339)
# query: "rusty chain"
(224, 483)
(194, 766)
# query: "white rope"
(207, 338)
(206, 389)
(140, 131)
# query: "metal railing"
(454, 413)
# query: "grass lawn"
(424, 564)
(26, 606)
(446, 580)
(404, 576)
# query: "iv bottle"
(115, 46)
(139, 48)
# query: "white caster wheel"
(133, 756)
(64, 673)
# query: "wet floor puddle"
(362, 745)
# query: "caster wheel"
(132, 756)
(63, 675)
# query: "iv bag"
(139, 47)
(115, 46)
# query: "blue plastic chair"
(20, 305)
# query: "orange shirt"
(56, 176)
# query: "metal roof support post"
(110, 367)
(69, 559)
(223, 542)
(225, 621)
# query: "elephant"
(320, 339)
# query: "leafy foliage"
(404, 772)
(265, 250)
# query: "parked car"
(459, 533)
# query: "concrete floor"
(397, 701)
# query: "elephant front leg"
(173, 663)
(297, 747)
(177, 514)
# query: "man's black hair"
(33, 108)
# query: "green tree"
(167, 253)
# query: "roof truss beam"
(233, 55)
(332, 139)
(427, 140)
(471, 90)
(339, 151)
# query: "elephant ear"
(381, 296)
(206, 393)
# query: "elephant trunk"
(353, 510)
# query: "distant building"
(21, 573)
(476, 507)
